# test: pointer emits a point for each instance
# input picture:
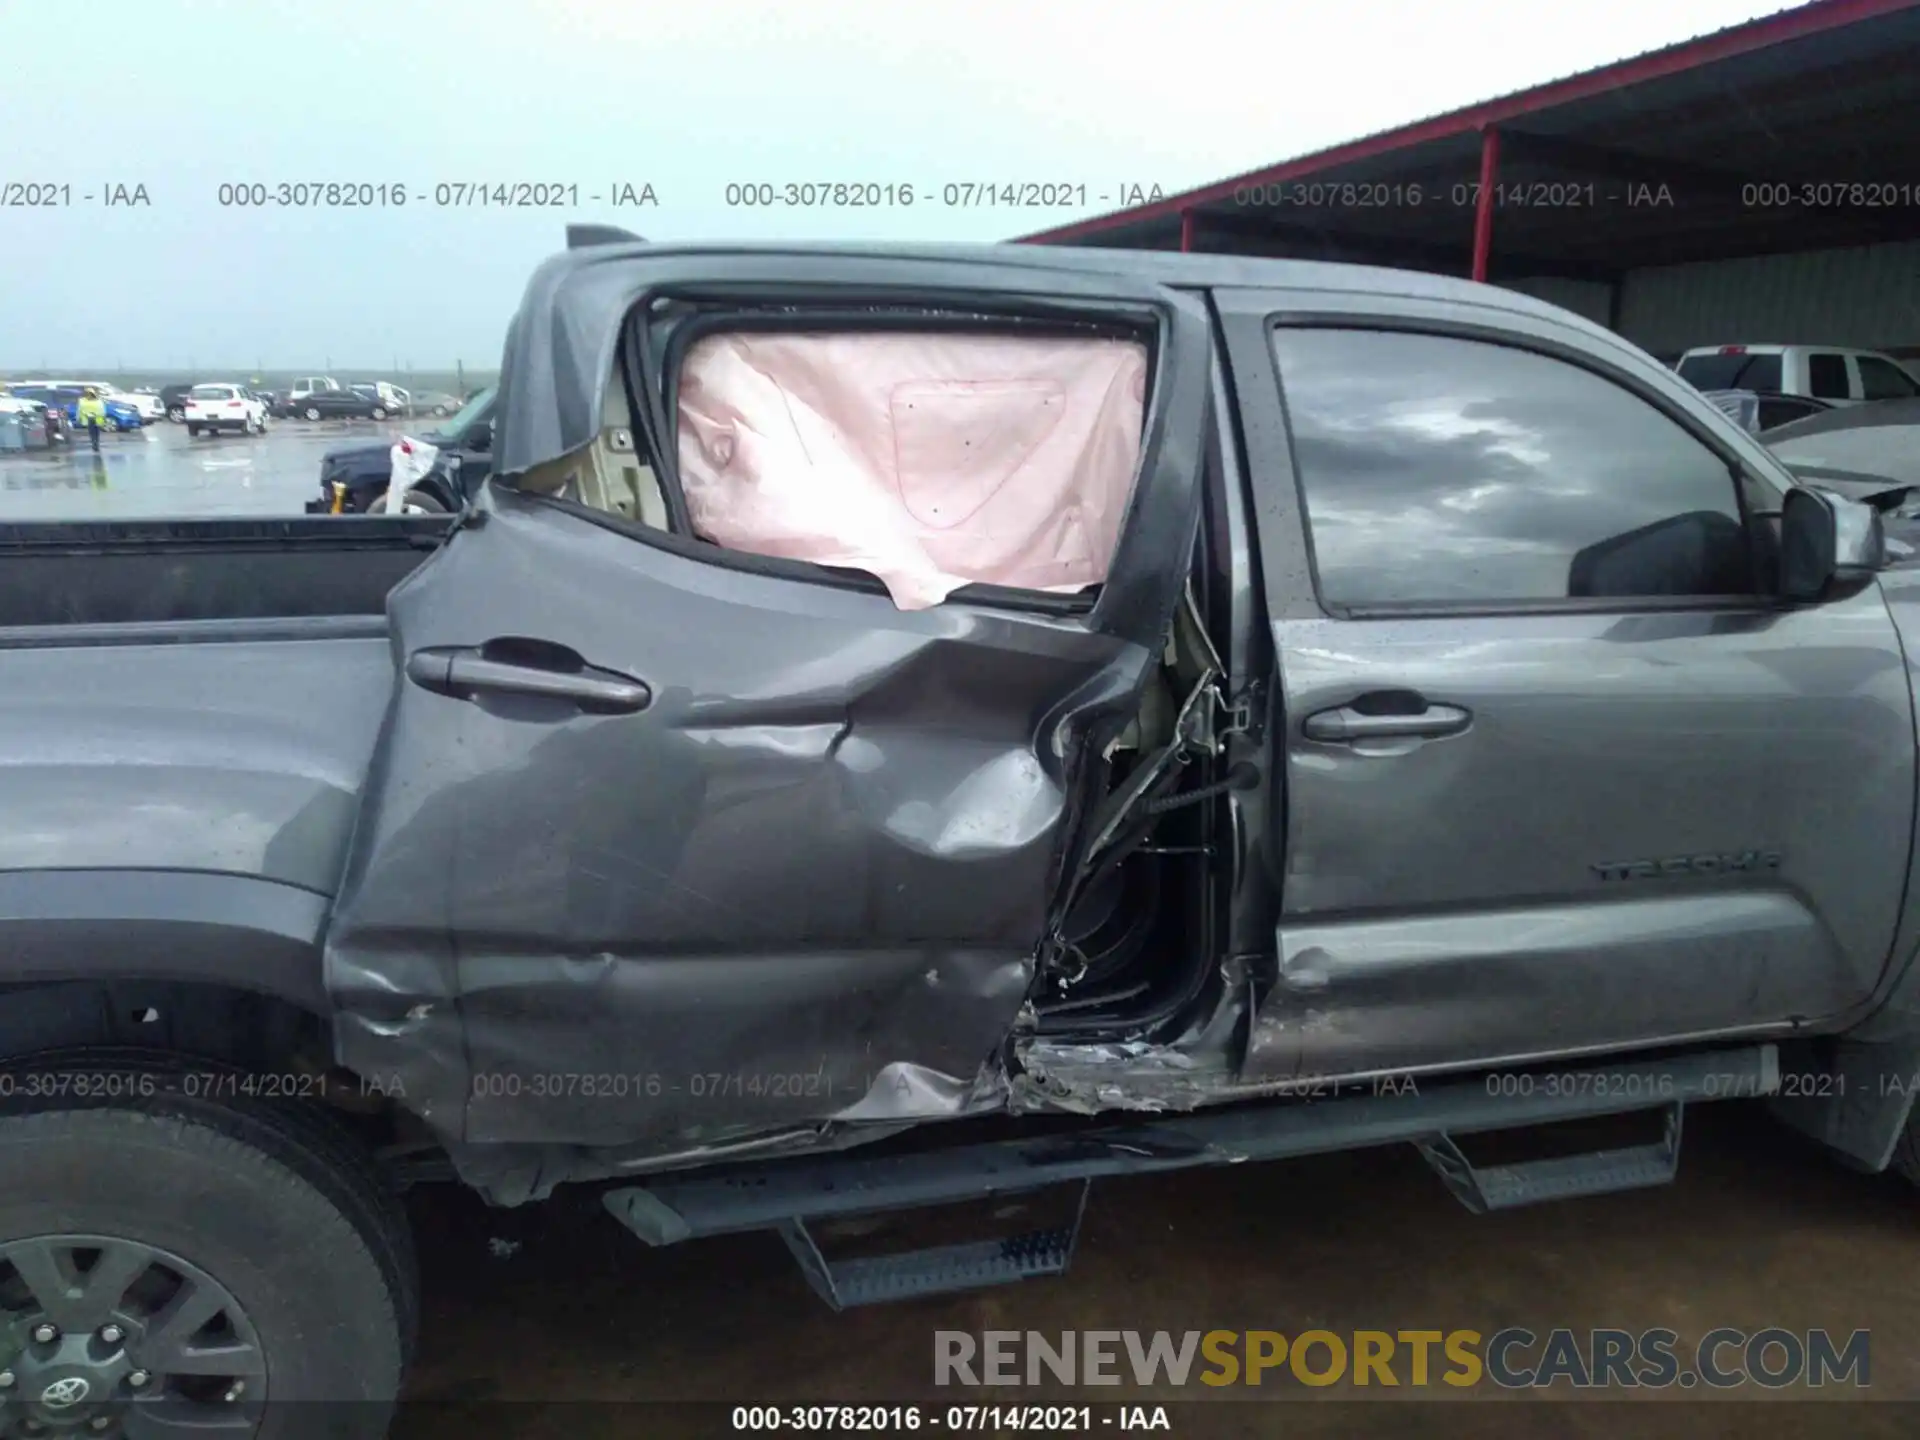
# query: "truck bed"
(221, 679)
(147, 572)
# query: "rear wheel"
(312, 413)
(379, 413)
(193, 432)
(167, 1263)
(176, 413)
(417, 502)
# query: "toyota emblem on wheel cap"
(62, 1393)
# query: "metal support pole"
(1186, 231)
(1483, 207)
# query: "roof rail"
(581, 236)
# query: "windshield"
(1741, 371)
(468, 413)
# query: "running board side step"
(1530, 1182)
(784, 1196)
(937, 1270)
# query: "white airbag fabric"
(930, 460)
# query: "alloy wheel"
(101, 1336)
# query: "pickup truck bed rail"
(64, 573)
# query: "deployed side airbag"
(930, 460)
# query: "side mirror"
(480, 437)
(1827, 541)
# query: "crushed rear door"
(667, 846)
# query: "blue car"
(121, 415)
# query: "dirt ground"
(584, 1332)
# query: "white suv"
(214, 408)
(1831, 373)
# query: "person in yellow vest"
(92, 413)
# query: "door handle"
(468, 673)
(1345, 723)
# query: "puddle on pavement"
(161, 471)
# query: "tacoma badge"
(1729, 863)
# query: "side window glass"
(1445, 471)
(1827, 376)
(1883, 380)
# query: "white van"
(1826, 372)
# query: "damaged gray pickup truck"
(1162, 710)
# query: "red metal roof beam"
(1483, 201)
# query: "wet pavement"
(161, 471)
(550, 1320)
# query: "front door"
(667, 845)
(1561, 774)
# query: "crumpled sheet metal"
(932, 460)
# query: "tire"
(276, 1205)
(193, 432)
(312, 413)
(177, 413)
(418, 502)
(378, 413)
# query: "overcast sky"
(183, 96)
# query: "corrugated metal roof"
(1867, 297)
(1775, 27)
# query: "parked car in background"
(1877, 441)
(148, 407)
(212, 409)
(59, 428)
(120, 415)
(1824, 372)
(361, 471)
(307, 385)
(386, 399)
(337, 405)
(435, 402)
(1758, 412)
(23, 424)
(173, 400)
(151, 407)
